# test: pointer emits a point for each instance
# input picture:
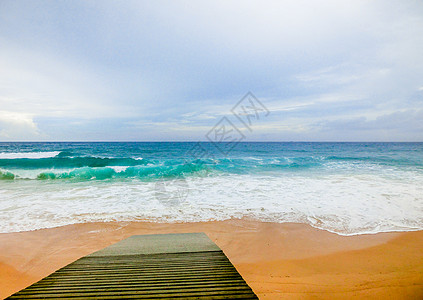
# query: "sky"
(171, 70)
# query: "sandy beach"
(289, 132)
(279, 261)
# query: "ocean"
(345, 188)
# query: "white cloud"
(18, 126)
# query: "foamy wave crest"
(29, 155)
(59, 162)
(346, 205)
(139, 172)
(5, 175)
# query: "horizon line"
(167, 141)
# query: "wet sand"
(278, 261)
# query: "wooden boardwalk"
(162, 266)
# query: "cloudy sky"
(170, 70)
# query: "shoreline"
(278, 260)
(246, 219)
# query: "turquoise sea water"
(347, 188)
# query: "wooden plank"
(159, 243)
(184, 266)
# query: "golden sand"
(278, 261)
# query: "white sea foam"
(342, 203)
(119, 169)
(31, 155)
